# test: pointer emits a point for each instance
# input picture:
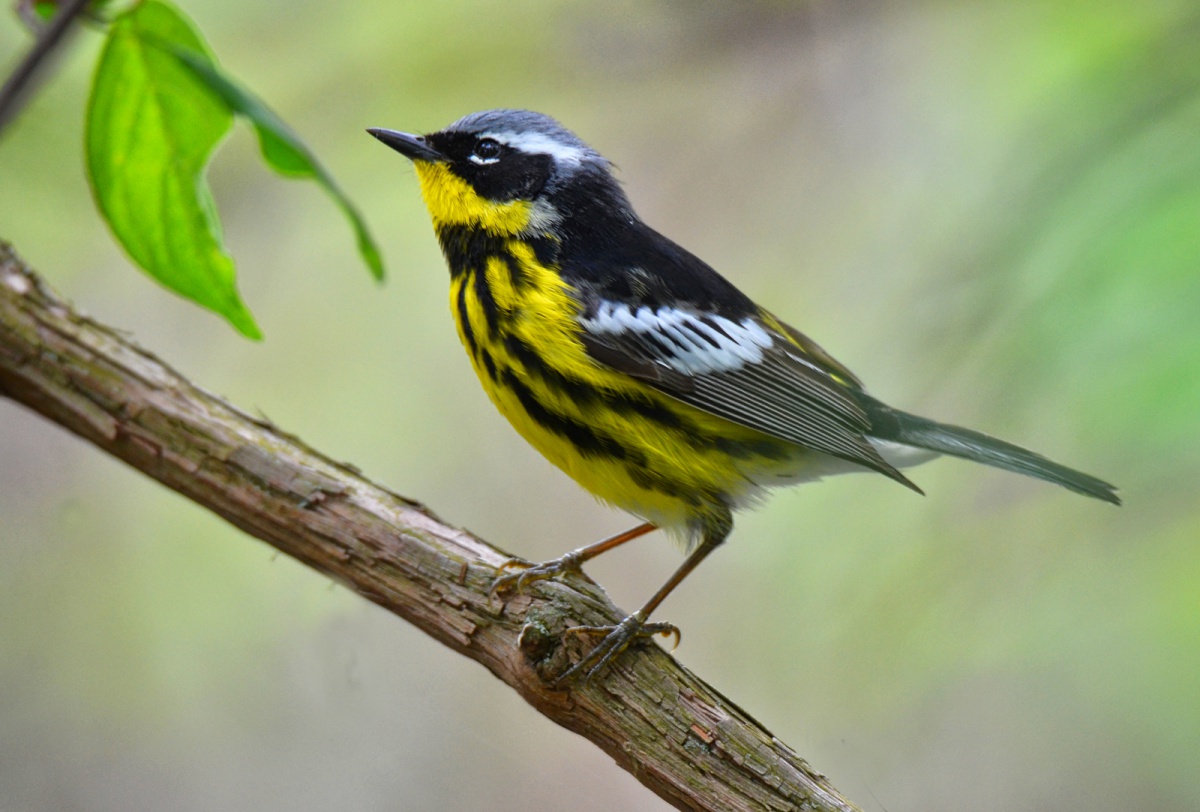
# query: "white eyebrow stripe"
(534, 143)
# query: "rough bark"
(679, 737)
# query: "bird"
(635, 367)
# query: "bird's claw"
(517, 581)
(616, 639)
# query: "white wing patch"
(686, 342)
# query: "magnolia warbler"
(635, 367)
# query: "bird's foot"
(615, 640)
(517, 581)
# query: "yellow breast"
(624, 441)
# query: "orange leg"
(571, 562)
(634, 627)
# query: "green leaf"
(45, 10)
(281, 147)
(152, 128)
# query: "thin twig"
(16, 88)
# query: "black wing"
(745, 369)
(658, 313)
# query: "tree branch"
(679, 737)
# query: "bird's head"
(509, 172)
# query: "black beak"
(412, 147)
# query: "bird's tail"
(900, 427)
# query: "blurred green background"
(990, 211)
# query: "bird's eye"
(487, 151)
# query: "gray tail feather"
(891, 424)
